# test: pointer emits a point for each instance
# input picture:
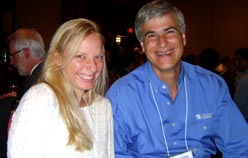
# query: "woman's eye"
(100, 57)
(81, 56)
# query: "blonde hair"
(66, 41)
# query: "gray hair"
(157, 8)
(29, 38)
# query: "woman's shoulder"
(41, 87)
(39, 94)
(101, 103)
(41, 90)
(101, 100)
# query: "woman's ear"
(58, 59)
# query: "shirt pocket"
(201, 127)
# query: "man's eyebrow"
(149, 32)
(166, 29)
(171, 27)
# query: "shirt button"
(175, 143)
(167, 103)
(164, 86)
(173, 124)
(205, 127)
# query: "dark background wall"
(221, 24)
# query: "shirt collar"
(34, 68)
(155, 81)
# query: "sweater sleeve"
(110, 131)
(30, 123)
(104, 141)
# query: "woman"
(65, 114)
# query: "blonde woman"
(65, 115)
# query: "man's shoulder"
(135, 77)
(134, 81)
(204, 78)
(198, 72)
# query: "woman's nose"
(91, 64)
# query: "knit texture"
(37, 130)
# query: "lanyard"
(161, 121)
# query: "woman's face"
(87, 64)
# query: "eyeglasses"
(15, 53)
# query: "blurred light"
(118, 39)
(130, 30)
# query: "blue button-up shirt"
(148, 123)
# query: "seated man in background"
(27, 53)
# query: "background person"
(241, 83)
(170, 108)
(27, 53)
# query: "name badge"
(187, 154)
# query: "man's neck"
(171, 79)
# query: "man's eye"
(171, 31)
(150, 36)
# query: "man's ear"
(26, 52)
(142, 46)
(184, 39)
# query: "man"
(241, 85)
(169, 108)
(27, 53)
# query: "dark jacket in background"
(9, 104)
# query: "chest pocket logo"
(203, 116)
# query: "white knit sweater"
(37, 130)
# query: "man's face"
(163, 43)
(17, 60)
